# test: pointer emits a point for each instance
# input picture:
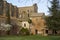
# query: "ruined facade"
(19, 16)
(7, 9)
(38, 25)
(8, 15)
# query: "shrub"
(24, 31)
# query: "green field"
(34, 37)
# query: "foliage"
(53, 21)
(29, 21)
(24, 31)
(5, 27)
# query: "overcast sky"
(42, 4)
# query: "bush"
(24, 31)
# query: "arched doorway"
(36, 31)
(46, 31)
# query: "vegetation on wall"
(29, 21)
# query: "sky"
(42, 4)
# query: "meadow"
(31, 37)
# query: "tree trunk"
(54, 32)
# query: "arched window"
(1, 8)
(28, 11)
(24, 25)
(19, 16)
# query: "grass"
(32, 37)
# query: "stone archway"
(46, 31)
(36, 31)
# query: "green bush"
(29, 21)
(24, 31)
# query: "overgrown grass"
(31, 37)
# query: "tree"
(53, 21)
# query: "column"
(4, 8)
